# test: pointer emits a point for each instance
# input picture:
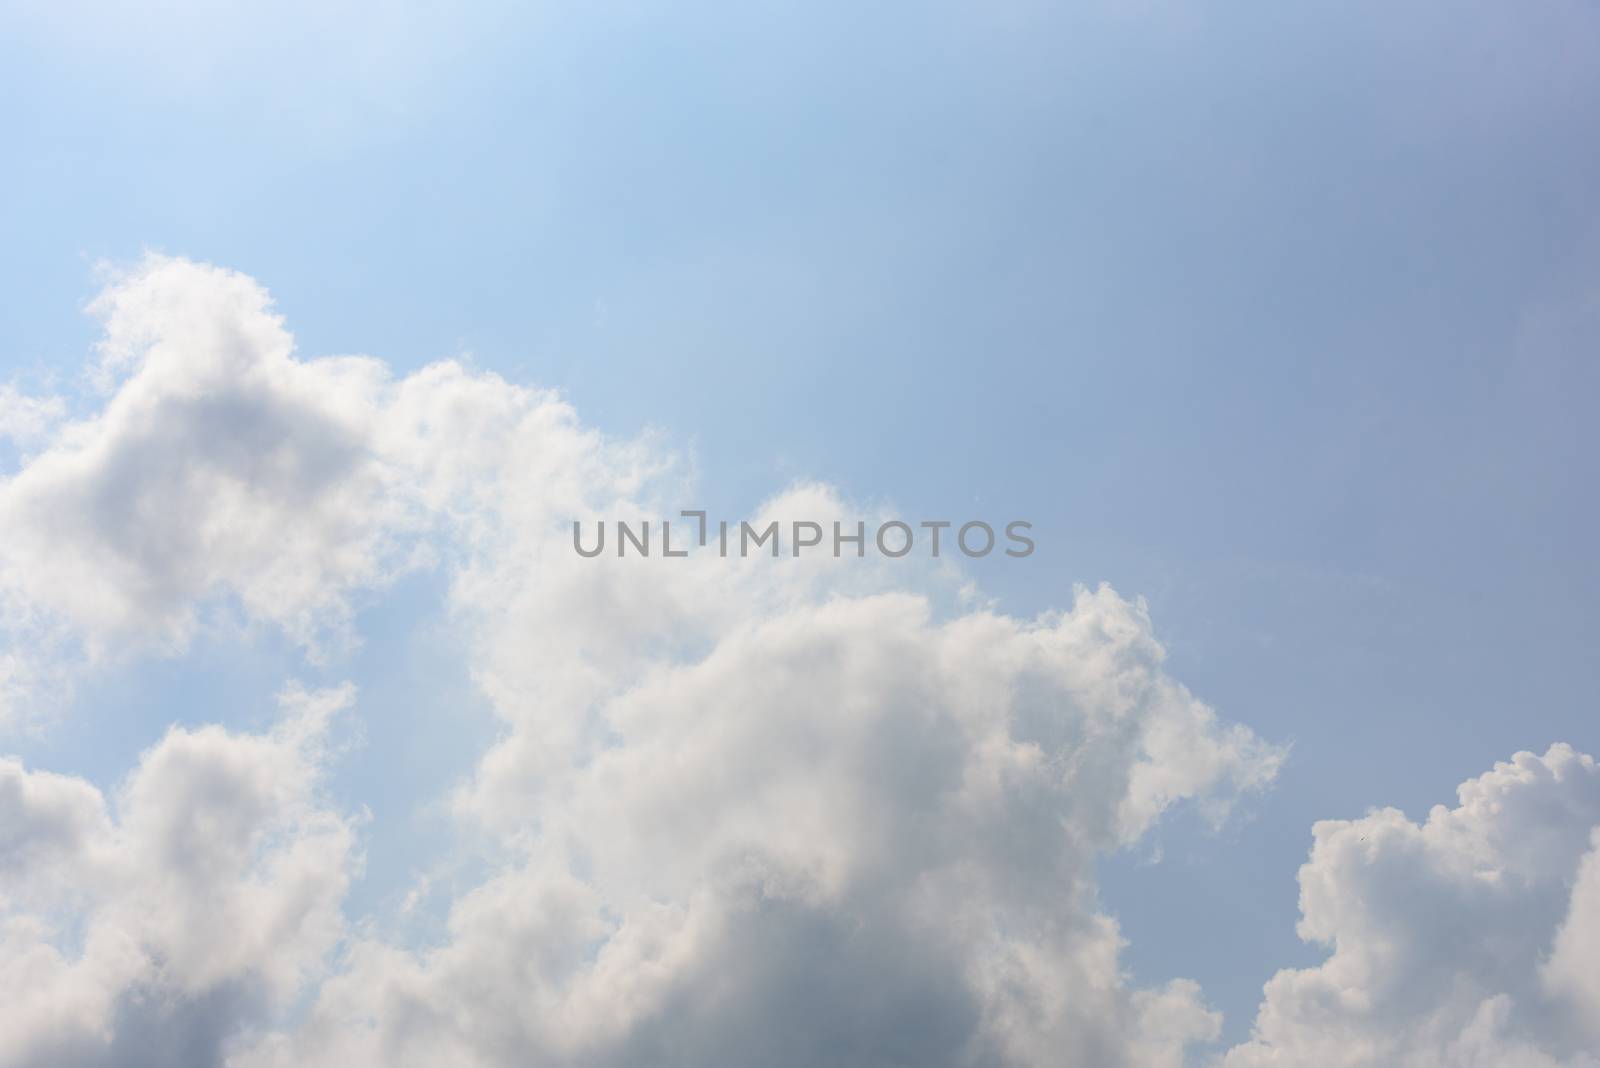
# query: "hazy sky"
(1284, 318)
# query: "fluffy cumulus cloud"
(146, 931)
(848, 834)
(223, 481)
(778, 812)
(754, 812)
(1467, 940)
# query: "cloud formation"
(225, 480)
(786, 809)
(1467, 939)
(848, 835)
(753, 812)
(148, 931)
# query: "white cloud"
(743, 811)
(224, 477)
(849, 834)
(1440, 931)
(219, 466)
(207, 900)
(1571, 974)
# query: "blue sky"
(1282, 318)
